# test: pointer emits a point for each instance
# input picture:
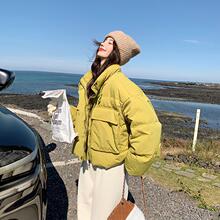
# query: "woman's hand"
(51, 107)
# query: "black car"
(23, 175)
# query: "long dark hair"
(97, 68)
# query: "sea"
(33, 82)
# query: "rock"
(201, 179)
(184, 173)
(168, 157)
(216, 184)
(183, 158)
(190, 171)
(172, 167)
(178, 160)
(203, 164)
(209, 176)
(193, 159)
(166, 169)
(217, 163)
(156, 165)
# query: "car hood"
(15, 133)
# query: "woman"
(118, 130)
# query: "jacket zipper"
(87, 131)
(86, 122)
(88, 110)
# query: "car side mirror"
(6, 78)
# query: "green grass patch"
(206, 195)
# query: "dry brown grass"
(205, 149)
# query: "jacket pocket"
(104, 130)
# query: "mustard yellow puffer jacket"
(122, 125)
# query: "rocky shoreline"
(174, 125)
(193, 92)
(184, 91)
(177, 129)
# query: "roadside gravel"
(162, 204)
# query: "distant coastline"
(194, 92)
(184, 91)
(171, 121)
(188, 84)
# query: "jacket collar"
(109, 71)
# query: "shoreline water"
(186, 91)
(172, 121)
(178, 97)
(209, 112)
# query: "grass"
(177, 140)
(207, 150)
(206, 195)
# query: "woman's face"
(105, 48)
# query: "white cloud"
(192, 41)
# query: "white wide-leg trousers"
(99, 191)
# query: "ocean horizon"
(141, 78)
(33, 82)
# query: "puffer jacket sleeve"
(73, 113)
(144, 135)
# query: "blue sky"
(179, 39)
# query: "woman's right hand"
(51, 107)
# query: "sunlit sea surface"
(33, 82)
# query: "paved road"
(63, 170)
